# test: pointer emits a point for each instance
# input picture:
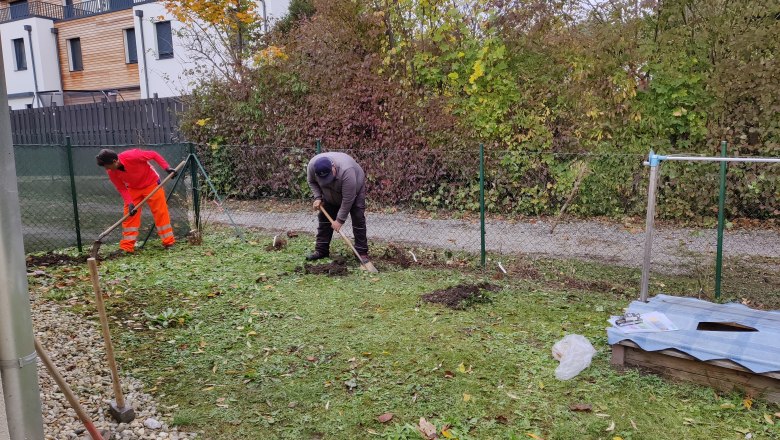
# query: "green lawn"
(268, 352)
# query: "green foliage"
(167, 318)
(413, 86)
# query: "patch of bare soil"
(52, 259)
(398, 257)
(461, 296)
(592, 285)
(338, 267)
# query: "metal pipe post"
(140, 14)
(17, 351)
(318, 146)
(74, 197)
(28, 28)
(482, 204)
(721, 221)
(195, 187)
(654, 162)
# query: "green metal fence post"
(721, 221)
(74, 198)
(318, 146)
(482, 202)
(195, 190)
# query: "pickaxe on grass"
(96, 245)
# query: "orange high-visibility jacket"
(138, 173)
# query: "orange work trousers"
(162, 219)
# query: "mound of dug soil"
(462, 295)
(338, 267)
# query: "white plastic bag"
(575, 353)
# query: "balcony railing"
(87, 8)
(30, 9)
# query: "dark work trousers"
(358, 215)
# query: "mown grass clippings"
(279, 353)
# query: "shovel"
(96, 245)
(366, 265)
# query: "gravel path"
(673, 248)
(76, 347)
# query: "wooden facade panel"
(103, 53)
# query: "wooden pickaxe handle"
(346, 240)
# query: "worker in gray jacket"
(339, 185)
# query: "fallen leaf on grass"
(611, 427)
(768, 418)
(446, 433)
(311, 358)
(727, 406)
(533, 436)
(386, 417)
(449, 374)
(634, 425)
(466, 397)
(583, 407)
(427, 429)
(462, 367)
(747, 403)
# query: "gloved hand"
(171, 171)
(131, 209)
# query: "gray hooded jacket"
(350, 180)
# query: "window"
(19, 9)
(131, 53)
(19, 54)
(74, 53)
(164, 39)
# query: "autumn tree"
(220, 35)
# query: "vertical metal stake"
(482, 203)
(74, 197)
(721, 221)
(649, 225)
(318, 146)
(195, 186)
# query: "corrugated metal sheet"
(757, 351)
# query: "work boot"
(316, 255)
(364, 258)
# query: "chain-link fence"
(67, 200)
(581, 208)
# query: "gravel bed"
(76, 347)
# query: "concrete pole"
(18, 367)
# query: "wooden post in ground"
(119, 410)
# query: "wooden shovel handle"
(346, 240)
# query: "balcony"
(57, 12)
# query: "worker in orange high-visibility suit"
(134, 178)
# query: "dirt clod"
(462, 295)
(277, 245)
(338, 267)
